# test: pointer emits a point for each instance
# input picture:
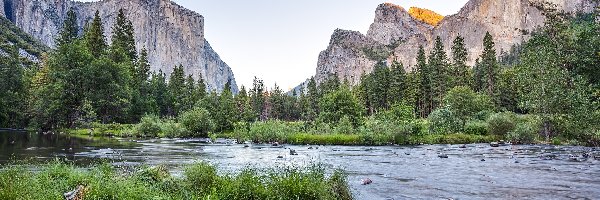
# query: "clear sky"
(279, 40)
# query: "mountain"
(12, 38)
(172, 34)
(395, 34)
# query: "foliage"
(444, 121)
(501, 123)
(149, 126)
(338, 104)
(476, 127)
(199, 181)
(526, 130)
(197, 121)
(465, 103)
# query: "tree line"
(554, 75)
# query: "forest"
(544, 90)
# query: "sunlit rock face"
(399, 35)
(172, 34)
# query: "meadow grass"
(198, 181)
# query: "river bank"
(198, 181)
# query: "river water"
(398, 172)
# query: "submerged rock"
(293, 152)
(494, 144)
(366, 181)
(443, 156)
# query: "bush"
(398, 113)
(197, 121)
(344, 126)
(201, 177)
(501, 123)
(273, 131)
(443, 121)
(171, 129)
(465, 103)
(527, 129)
(149, 126)
(476, 127)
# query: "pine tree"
(123, 37)
(200, 88)
(94, 37)
(397, 89)
(243, 105)
(189, 98)
(377, 88)
(70, 29)
(257, 97)
(177, 89)
(143, 68)
(424, 90)
(460, 69)
(439, 70)
(490, 69)
(312, 96)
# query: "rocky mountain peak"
(396, 35)
(393, 24)
(172, 34)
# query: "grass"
(199, 181)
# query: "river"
(398, 172)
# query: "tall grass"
(199, 181)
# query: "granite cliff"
(172, 34)
(396, 34)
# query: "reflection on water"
(476, 172)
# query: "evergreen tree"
(397, 88)
(460, 69)
(277, 100)
(489, 68)
(243, 105)
(257, 97)
(438, 73)
(378, 84)
(189, 99)
(177, 89)
(123, 38)
(312, 100)
(200, 88)
(70, 30)
(424, 90)
(12, 88)
(162, 100)
(143, 68)
(94, 37)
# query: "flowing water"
(398, 172)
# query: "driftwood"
(76, 194)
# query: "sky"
(279, 41)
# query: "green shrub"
(171, 129)
(476, 127)
(465, 103)
(273, 131)
(201, 177)
(197, 121)
(443, 121)
(501, 123)
(149, 126)
(344, 126)
(527, 129)
(398, 113)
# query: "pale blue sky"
(280, 40)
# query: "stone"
(366, 181)
(395, 35)
(462, 146)
(494, 144)
(443, 156)
(293, 152)
(279, 156)
(172, 34)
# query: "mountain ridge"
(171, 33)
(397, 34)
